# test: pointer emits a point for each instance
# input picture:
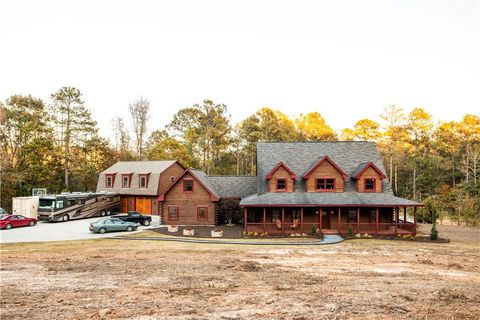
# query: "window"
(143, 181)
(80, 201)
(369, 184)
(109, 181)
(172, 179)
(71, 202)
(125, 181)
(325, 184)
(352, 216)
(109, 199)
(275, 214)
(60, 204)
(281, 184)
(173, 213)
(202, 213)
(188, 186)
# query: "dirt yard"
(357, 279)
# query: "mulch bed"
(229, 232)
(233, 232)
(422, 239)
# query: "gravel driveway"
(60, 231)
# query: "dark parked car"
(134, 216)
(112, 224)
(16, 220)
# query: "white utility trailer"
(26, 206)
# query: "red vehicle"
(15, 220)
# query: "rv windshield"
(46, 204)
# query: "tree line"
(56, 145)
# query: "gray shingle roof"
(358, 169)
(155, 168)
(202, 176)
(300, 156)
(234, 186)
(326, 198)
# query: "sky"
(345, 59)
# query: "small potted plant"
(172, 228)
(188, 231)
(217, 233)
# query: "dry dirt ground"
(357, 279)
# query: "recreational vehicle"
(77, 205)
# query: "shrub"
(408, 237)
(255, 234)
(350, 230)
(314, 230)
(434, 232)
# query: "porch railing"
(381, 228)
(363, 227)
(282, 228)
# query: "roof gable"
(356, 174)
(301, 155)
(135, 169)
(199, 177)
(281, 164)
(319, 162)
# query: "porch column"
(339, 219)
(404, 214)
(320, 219)
(377, 220)
(301, 220)
(245, 219)
(396, 219)
(358, 220)
(283, 220)
(415, 221)
(264, 220)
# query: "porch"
(331, 220)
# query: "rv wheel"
(102, 214)
(108, 212)
(65, 218)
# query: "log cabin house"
(328, 186)
(139, 183)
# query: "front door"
(326, 219)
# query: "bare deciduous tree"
(140, 112)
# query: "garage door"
(124, 205)
(143, 205)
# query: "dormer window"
(109, 180)
(369, 185)
(125, 181)
(325, 184)
(188, 186)
(281, 184)
(143, 181)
